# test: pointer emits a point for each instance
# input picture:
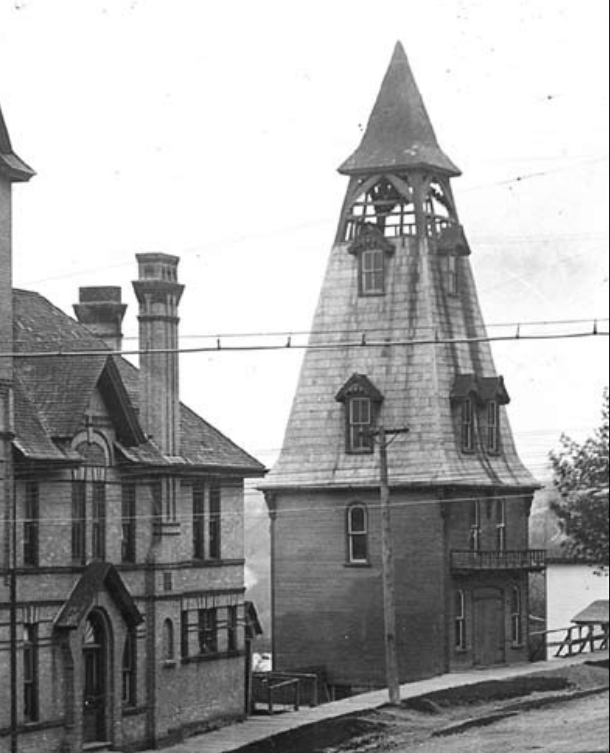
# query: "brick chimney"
(158, 293)
(100, 309)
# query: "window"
(460, 621)
(475, 525)
(452, 274)
(362, 402)
(215, 521)
(129, 669)
(500, 525)
(30, 672)
(372, 271)
(357, 534)
(492, 444)
(79, 548)
(360, 420)
(168, 640)
(467, 425)
(208, 631)
(382, 206)
(128, 523)
(198, 521)
(98, 521)
(31, 520)
(184, 634)
(157, 509)
(232, 636)
(515, 617)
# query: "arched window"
(357, 534)
(168, 640)
(89, 489)
(516, 631)
(460, 620)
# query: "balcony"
(468, 561)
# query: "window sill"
(357, 564)
(169, 663)
(133, 710)
(196, 658)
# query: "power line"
(289, 345)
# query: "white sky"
(213, 131)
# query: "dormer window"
(361, 399)
(492, 435)
(359, 424)
(452, 274)
(478, 400)
(372, 272)
(468, 425)
(371, 249)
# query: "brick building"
(122, 614)
(398, 341)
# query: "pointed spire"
(399, 134)
(10, 164)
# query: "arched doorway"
(95, 685)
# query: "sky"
(213, 131)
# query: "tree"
(581, 476)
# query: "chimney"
(100, 310)
(158, 293)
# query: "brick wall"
(330, 613)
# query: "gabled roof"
(10, 164)
(597, 613)
(359, 385)
(97, 576)
(480, 387)
(399, 134)
(54, 391)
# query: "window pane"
(358, 547)
(215, 521)
(78, 521)
(357, 520)
(198, 521)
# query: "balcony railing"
(516, 559)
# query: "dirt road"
(579, 726)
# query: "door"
(95, 681)
(488, 627)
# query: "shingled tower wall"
(398, 338)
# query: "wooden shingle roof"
(399, 134)
(597, 613)
(416, 381)
(53, 392)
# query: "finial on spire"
(399, 134)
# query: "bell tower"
(399, 176)
(398, 340)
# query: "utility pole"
(389, 605)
